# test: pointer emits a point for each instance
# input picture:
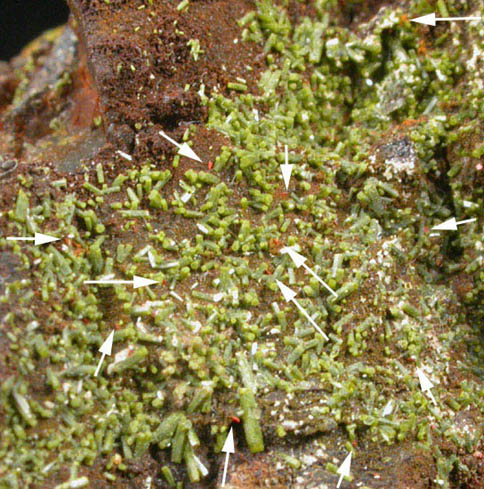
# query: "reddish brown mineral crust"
(128, 97)
(142, 66)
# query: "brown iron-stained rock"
(142, 64)
(108, 82)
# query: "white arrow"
(105, 349)
(451, 224)
(426, 385)
(430, 19)
(300, 260)
(183, 149)
(38, 239)
(228, 448)
(289, 297)
(286, 169)
(344, 470)
(137, 282)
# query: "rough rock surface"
(382, 121)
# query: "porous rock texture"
(382, 121)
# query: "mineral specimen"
(382, 119)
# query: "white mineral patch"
(218, 297)
(119, 357)
(202, 228)
(308, 459)
(397, 165)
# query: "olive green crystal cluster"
(382, 120)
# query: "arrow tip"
(142, 282)
(286, 171)
(345, 467)
(40, 239)
(185, 150)
(229, 443)
(428, 19)
(295, 256)
(107, 346)
(286, 291)
(449, 225)
(425, 383)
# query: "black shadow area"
(21, 21)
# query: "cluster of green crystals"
(385, 140)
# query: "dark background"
(23, 20)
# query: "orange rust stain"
(275, 246)
(422, 48)
(77, 248)
(281, 193)
(85, 98)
